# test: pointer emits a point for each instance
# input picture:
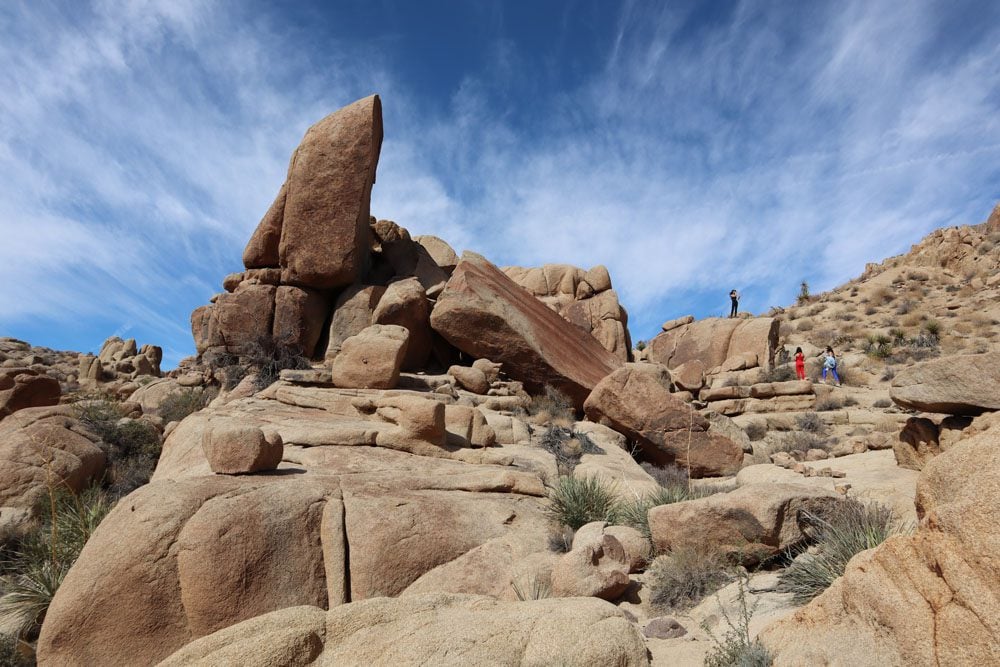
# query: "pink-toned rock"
(605, 319)
(689, 376)
(636, 402)
(299, 316)
(714, 340)
(488, 368)
(405, 304)
(439, 250)
(237, 450)
(960, 384)
(371, 359)
(242, 320)
(322, 210)
(352, 313)
(470, 379)
(21, 388)
(485, 314)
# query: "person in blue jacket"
(830, 364)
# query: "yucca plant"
(842, 533)
(575, 502)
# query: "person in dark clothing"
(734, 297)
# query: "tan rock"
(24, 388)
(236, 450)
(670, 325)
(485, 314)
(596, 566)
(405, 304)
(750, 523)
(352, 313)
(714, 340)
(439, 250)
(689, 376)
(917, 443)
(957, 384)
(789, 388)
(262, 249)
(488, 368)
(240, 321)
(324, 217)
(299, 316)
(372, 358)
(470, 379)
(635, 403)
(604, 318)
(922, 599)
(637, 548)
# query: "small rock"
(236, 450)
(470, 379)
(664, 627)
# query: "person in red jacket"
(800, 363)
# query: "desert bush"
(882, 403)
(268, 358)
(828, 404)
(756, 430)
(888, 374)
(666, 476)
(882, 296)
(905, 306)
(681, 578)
(878, 346)
(532, 588)
(870, 309)
(841, 533)
(41, 560)
(798, 441)
(568, 447)
(635, 512)
(816, 310)
(804, 325)
(810, 422)
(984, 248)
(804, 296)
(782, 373)
(9, 655)
(132, 446)
(640, 345)
(932, 328)
(552, 407)
(575, 502)
(180, 404)
(736, 648)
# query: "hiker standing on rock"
(830, 364)
(800, 364)
(734, 297)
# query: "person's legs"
(824, 373)
(835, 376)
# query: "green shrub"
(933, 328)
(132, 446)
(575, 502)
(681, 578)
(810, 422)
(635, 512)
(736, 648)
(180, 404)
(567, 447)
(9, 655)
(841, 533)
(878, 346)
(39, 564)
(882, 403)
(782, 373)
(798, 441)
(268, 358)
(804, 296)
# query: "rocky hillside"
(392, 453)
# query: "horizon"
(691, 149)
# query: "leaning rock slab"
(484, 313)
(964, 384)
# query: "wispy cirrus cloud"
(751, 146)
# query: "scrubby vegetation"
(37, 563)
(681, 578)
(756, 430)
(575, 502)
(132, 446)
(553, 407)
(842, 533)
(183, 403)
(736, 648)
(567, 447)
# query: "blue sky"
(692, 147)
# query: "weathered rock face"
(372, 358)
(966, 384)
(585, 298)
(439, 250)
(637, 402)
(41, 446)
(405, 304)
(24, 388)
(484, 313)
(299, 316)
(751, 523)
(237, 450)
(713, 341)
(322, 209)
(596, 566)
(924, 599)
(352, 313)
(448, 630)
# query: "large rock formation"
(446, 630)
(317, 229)
(484, 313)
(967, 384)
(924, 599)
(636, 401)
(714, 341)
(584, 298)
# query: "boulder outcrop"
(484, 313)
(713, 341)
(924, 599)
(964, 384)
(636, 401)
